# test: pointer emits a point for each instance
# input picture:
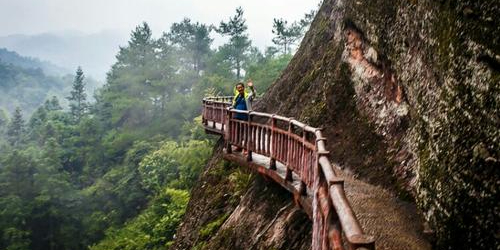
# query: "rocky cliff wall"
(408, 94)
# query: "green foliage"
(52, 104)
(174, 165)
(285, 35)
(16, 239)
(207, 230)
(13, 58)
(194, 39)
(154, 228)
(239, 43)
(129, 83)
(36, 192)
(25, 88)
(78, 98)
(240, 179)
(265, 72)
(15, 131)
(195, 131)
(28, 88)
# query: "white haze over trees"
(88, 33)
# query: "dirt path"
(395, 224)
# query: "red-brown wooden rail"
(301, 148)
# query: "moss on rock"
(445, 56)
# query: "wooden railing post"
(249, 137)
(320, 151)
(303, 186)
(289, 176)
(272, 150)
(335, 229)
(204, 113)
(222, 116)
(228, 138)
(213, 115)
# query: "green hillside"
(11, 57)
(28, 82)
(115, 172)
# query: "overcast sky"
(91, 16)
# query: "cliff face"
(408, 94)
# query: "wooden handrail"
(301, 148)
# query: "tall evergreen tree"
(239, 43)
(4, 120)
(193, 38)
(140, 49)
(52, 104)
(15, 130)
(78, 99)
(286, 35)
(130, 82)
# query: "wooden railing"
(301, 149)
(215, 110)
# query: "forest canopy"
(103, 170)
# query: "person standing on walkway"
(242, 99)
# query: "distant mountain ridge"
(12, 57)
(27, 82)
(28, 88)
(94, 52)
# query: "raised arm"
(252, 93)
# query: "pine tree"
(239, 42)
(140, 50)
(4, 119)
(286, 35)
(193, 38)
(132, 80)
(78, 105)
(52, 104)
(15, 130)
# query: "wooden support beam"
(272, 164)
(303, 188)
(288, 176)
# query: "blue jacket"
(249, 96)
